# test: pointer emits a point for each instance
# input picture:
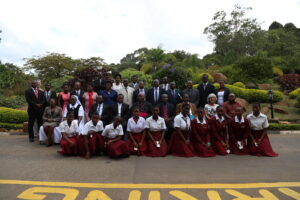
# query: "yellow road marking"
(153, 186)
(70, 194)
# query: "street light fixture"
(270, 93)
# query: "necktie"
(156, 95)
(165, 112)
(36, 92)
(204, 86)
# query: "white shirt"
(184, 123)
(220, 97)
(136, 127)
(156, 125)
(111, 132)
(211, 110)
(237, 120)
(127, 95)
(89, 126)
(100, 109)
(203, 121)
(258, 123)
(116, 87)
(220, 119)
(80, 111)
(77, 92)
(119, 109)
(141, 91)
(165, 86)
(70, 131)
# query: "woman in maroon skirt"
(259, 144)
(69, 131)
(180, 144)
(114, 146)
(201, 135)
(219, 133)
(136, 130)
(155, 128)
(90, 141)
(239, 132)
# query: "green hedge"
(9, 115)
(293, 94)
(11, 126)
(12, 101)
(274, 126)
(239, 84)
(253, 95)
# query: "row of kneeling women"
(198, 137)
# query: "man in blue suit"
(174, 94)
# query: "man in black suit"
(35, 99)
(78, 91)
(141, 89)
(144, 106)
(204, 90)
(102, 109)
(122, 110)
(49, 94)
(167, 111)
(192, 92)
(154, 94)
(174, 94)
(99, 84)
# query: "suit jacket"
(106, 113)
(99, 85)
(225, 95)
(134, 87)
(125, 111)
(150, 96)
(193, 94)
(170, 110)
(136, 93)
(192, 106)
(51, 96)
(174, 99)
(79, 96)
(203, 94)
(147, 107)
(33, 101)
(57, 115)
(128, 95)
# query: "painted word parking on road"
(39, 190)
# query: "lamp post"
(271, 102)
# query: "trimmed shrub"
(274, 126)
(8, 115)
(11, 126)
(239, 84)
(295, 93)
(12, 101)
(277, 71)
(128, 73)
(289, 81)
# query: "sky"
(111, 29)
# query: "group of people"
(118, 118)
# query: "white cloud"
(112, 28)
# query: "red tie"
(36, 92)
(165, 112)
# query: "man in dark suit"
(174, 94)
(144, 106)
(167, 111)
(204, 90)
(192, 92)
(99, 84)
(122, 110)
(78, 91)
(35, 99)
(102, 109)
(154, 94)
(134, 84)
(49, 94)
(141, 89)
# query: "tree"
(135, 59)
(237, 36)
(155, 56)
(275, 25)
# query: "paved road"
(194, 178)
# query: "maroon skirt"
(154, 151)
(235, 150)
(202, 151)
(177, 146)
(66, 149)
(118, 148)
(141, 150)
(264, 148)
(96, 145)
(218, 147)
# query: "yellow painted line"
(152, 186)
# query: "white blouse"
(211, 110)
(69, 130)
(258, 123)
(184, 123)
(136, 127)
(220, 97)
(156, 125)
(111, 132)
(117, 88)
(89, 126)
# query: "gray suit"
(193, 94)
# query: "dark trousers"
(32, 116)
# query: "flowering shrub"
(289, 81)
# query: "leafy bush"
(59, 82)
(277, 71)
(9, 115)
(274, 126)
(233, 75)
(239, 84)
(128, 73)
(11, 126)
(295, 93)
(298, 99)
(289, 81)
(12, 101)
(146, 68)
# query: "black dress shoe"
(31, 140)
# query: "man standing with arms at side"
(35, 99)
(204, 90)
(192, 93)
